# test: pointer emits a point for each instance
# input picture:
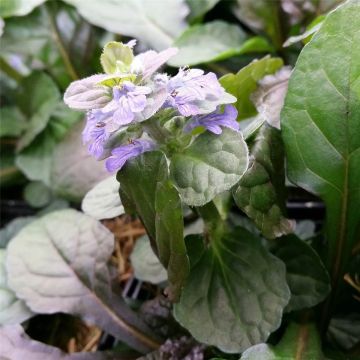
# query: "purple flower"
(214, 121)
(128, 100)
(95, 133)
(193, 93)
(125, 152)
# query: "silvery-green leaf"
(116, 57)
(67, 271)
(74, 171)
(87, 94)
(12, 310)
(214, 41)
(17, 345)
(18, 7)
(145, 263)
(270, 95)
(235, 294)
(156, 23)
(103, 200)
(12, 228)
(210, 165)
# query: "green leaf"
(200, 7)
(170, 237)
(261, 16)
(153, 22)
(73, 170)
(235, 293)
(260, 192)
(306, 275)
(345, 330)
(44, 99)
(13, 122)
(300, 342)
(214, 41)
(36, 160)
(243, 83)
(18, 7)
(57, 276)
(103, 200)
(37, 195)
(321, 128)
(138, 180)
(147, 267)
(145, 182)
(211, 165)
(116, 57)
(12, 310)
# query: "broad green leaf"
(145, 263)
(103, 200)
(44, 99)
(36, 160)
(157, 23)
(211, 165)
(261, 16)
(306, 275)
(116, 57)
(37, 195)
(300, 342)
(243, 83)
(145, 182)
(270, 95)
(17, 345)
(169, 226)
(18, 7)
(74, 171)
(321, 128)
(13, 122)
(12, 310)
(235, 294)
(260, 192)
(214, 41)
(66, 271)
(200, 7)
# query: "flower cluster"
(131, 91)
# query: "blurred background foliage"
(47, 44)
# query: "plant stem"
(9, 70)
(60, 44)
